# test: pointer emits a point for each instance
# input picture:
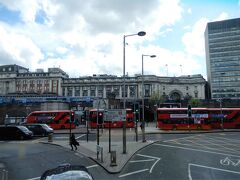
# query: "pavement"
(112, 158)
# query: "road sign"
(116, 115)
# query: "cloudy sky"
(85, 37)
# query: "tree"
(155, 98)
(195, 102)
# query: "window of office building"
(132, 91)
(69, 91)
(126, 92)
(77, 91)
(108, 91)
(85, 91)
(93, 91)
(147, 90)
(100, 91)
(116, 90)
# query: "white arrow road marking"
(153, 157)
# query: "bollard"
(113, 158)
(50, 136)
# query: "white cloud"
(20, 49)
(189, 11)
(86, 37)
(27, 9)
(194, 40)
(221, 17)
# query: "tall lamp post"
(143, 121)
(220, 101)
(141, 33)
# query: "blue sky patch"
(40, 17)
(9, 16)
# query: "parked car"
(15, 132)
(39, 129)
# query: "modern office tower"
(222, 45)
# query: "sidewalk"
(89, 149)
(115, 165)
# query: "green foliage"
(195, 102)
(155, 98)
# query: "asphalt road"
(204, 156)
(174, 156)
(28, 160)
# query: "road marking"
(209, 143)
(34, 178)
(208, 167)
(185, 148)
(81, 136)
(222, 146)
(95, 165)
(227, 161)
(227, 141)
(61, 137)
(145, 160)
(131, 173)
(180, 138)
(153, 157)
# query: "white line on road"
(131, 173)
(185, 148)
(81, 136)
(181, 138)
(145, 160)
(34, 178)
(95, 165)
(208, 167)
(157, 159)
(148, 156)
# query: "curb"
(193, 132)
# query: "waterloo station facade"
(19, 81)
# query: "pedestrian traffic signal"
(189, 111)
(72, 117)
(137, 108)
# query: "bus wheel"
(62, 127)
(174, 128)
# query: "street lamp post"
(143, 121)
(220, 102)
(141, 33)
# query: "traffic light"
(72, 117)
(189, 111)
(100, 117)
(137, 108)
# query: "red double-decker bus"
(177, 119)
(227, 118)
(95, 117)
(202, 118)
(105, 124)
(56, 119)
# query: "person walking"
(73, 142)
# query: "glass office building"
(222, 45)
